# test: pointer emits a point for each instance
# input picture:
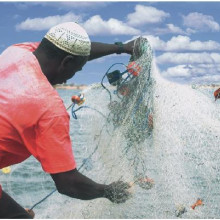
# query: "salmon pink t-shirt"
(33, 118)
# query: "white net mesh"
(170, 163)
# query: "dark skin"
(10, 209)
(58, 71)
(71, 183)
(101, 49)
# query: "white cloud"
(39, 24)
(190, 31)
(156, 43)
(94, 25)
(206, 79)
(145, 15)
(199, 21)
(177, 71)
(97, 26)
(189, 58)
(170, 28)
(182, 43)
(201, 73)
(194, 67)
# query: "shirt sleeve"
(0, 191)
(53, 145)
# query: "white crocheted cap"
(71, 38)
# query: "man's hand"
(117, 192)
(129, 47)
(30, 212)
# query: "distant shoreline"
(74, 87)
(82, 87)
(207, 86)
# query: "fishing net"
(159, 136)
(117, 131)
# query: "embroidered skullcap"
(71, 38)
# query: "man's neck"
(47, 66)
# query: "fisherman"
(33, 119)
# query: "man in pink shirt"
(33, 119)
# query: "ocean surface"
(28, 184)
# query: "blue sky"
(184, 35)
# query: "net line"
(179, 153)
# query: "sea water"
(28, 184)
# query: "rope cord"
(106, 75)
(74, 111)
(73, 105)
(51, 193)
(75, 117)
(43, 199)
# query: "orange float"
(199, 202)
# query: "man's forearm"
(76, 185)
(102, 49)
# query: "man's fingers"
(123, 185)
(30, 212)
(118, 192)
(123, 198)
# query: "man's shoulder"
(27, 46)
(20, 48)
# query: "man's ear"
(67, 60)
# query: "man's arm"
(102, 49)
(74, 184)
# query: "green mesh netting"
(170, 162)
